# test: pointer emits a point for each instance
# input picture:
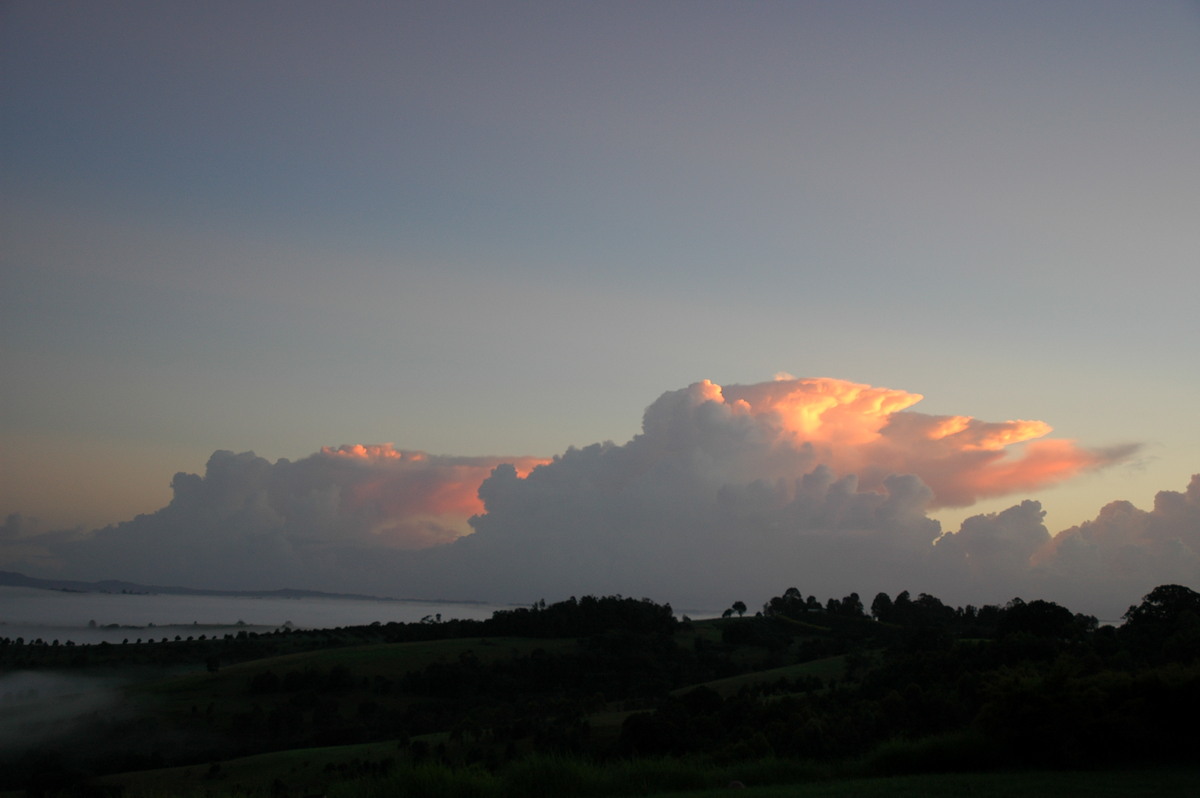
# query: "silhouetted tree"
(1166, 624)
(790, 604)
(852, 606)
(881, 607)
(1038, 618)
(1163, 604)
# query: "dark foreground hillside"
(615, 696)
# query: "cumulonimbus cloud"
(728, 492)
(818, 481)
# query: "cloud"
(1125, 548)
(25, 544)
(404, 499)
(991, 554)
(247, 521)
(869, 431)
(729, 492)
(821, 483)
(676, 531)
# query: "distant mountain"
(13, 579)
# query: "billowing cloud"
(248, 521)
(1126, 548)
(405, 499)
(992, 553)
(731, 492)
(821, 483)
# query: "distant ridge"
(13, 579)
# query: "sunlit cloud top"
(871, 432)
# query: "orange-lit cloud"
(821, 410)
(871, 432)
(414, 499)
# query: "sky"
(300, 277)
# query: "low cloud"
(25, 544)
(1125, 548)
(729, 492)
(38, 707)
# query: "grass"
(824, 669)
(345, 771)
(315, 768)
(546, 776)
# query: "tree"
(1166, 623)
(1164, 603)
(739, 607)
(1040, 619)
(852, 606)
(790, 604)
(881, 607)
